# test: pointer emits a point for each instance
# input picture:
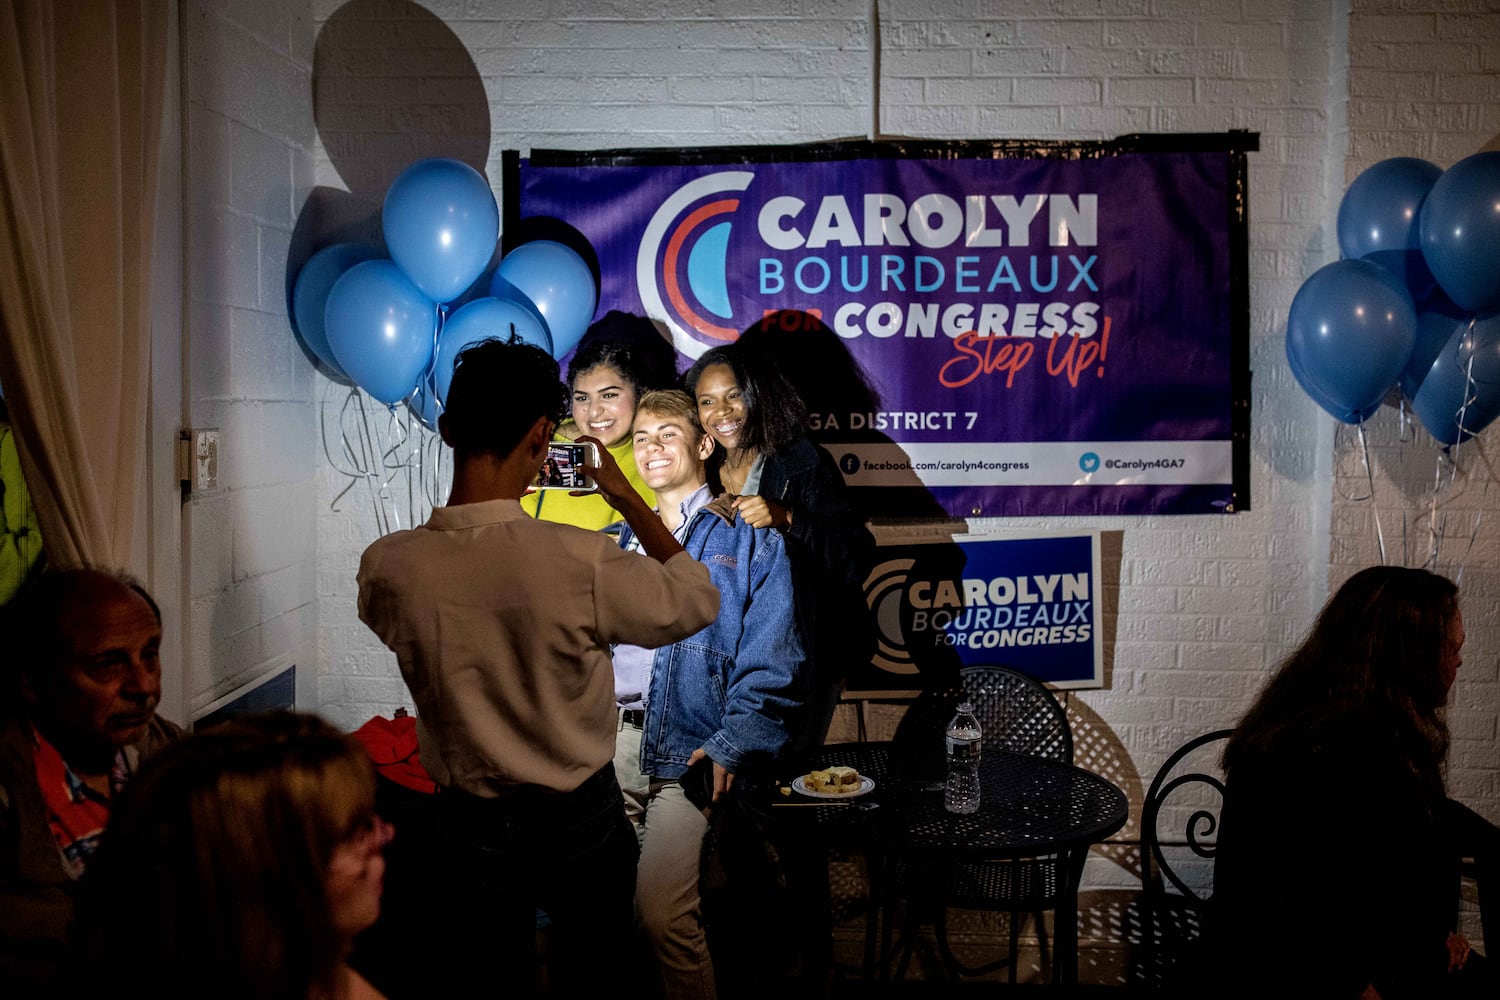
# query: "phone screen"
(563, 468)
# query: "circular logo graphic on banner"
(885, 588)
(1089, 462)
(681, 267)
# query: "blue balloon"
(1460, 229)
(481, 320)
(1350, 331)
(1379, 211)
(1436, 320)
(381, 329)
(558, 282)
(310, 295)
(1410, 268)
(1453, 381)
(441, 224)
(1338, 413)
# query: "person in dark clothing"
(1335, 813)
(783, 480)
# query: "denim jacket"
(732, 687)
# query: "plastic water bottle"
(964, 740)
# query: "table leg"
(1065, 937)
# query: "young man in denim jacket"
(723, 696)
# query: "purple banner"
(1046, 335)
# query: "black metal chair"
(1017, 714)
(1179, 839)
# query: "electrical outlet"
(198, 460)
(205, 459)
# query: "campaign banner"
(1047, 328)
(1027, 600)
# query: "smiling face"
(603, 404)
(107, 680)
(670, 453)
(721, 405)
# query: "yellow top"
(591, 512)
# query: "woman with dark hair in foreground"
(1337, 872)
(241, 863)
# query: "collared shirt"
(633, 663)
(76, 813)
(502, 627)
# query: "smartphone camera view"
(563, 468)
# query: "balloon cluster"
(384, 324)
(1415, 302)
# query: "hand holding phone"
(607, 477)
(705, 781)
(563, 468)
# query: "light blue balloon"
(441, 223)
(559, 283)
(1440, 399)
(480, 320)
(1338, 413)
(1351, 329)
(1460, 228)
(310, 295)
(1436, 320)
(381, 329)
(1379, 212)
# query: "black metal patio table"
(1029, 807)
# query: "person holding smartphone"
(502, 626)
(698, 712)
(620, 357)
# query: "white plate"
(866, 785)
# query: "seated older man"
(78, 695)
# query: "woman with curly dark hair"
(1338, 862)
(619, 360)
(784, 480)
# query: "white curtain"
(81, 98)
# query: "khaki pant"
(667, 905)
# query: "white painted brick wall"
(252, 542)
(1204, 606)
(1197, 595)
(1424, 81)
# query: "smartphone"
(698, 783)
(563, 468)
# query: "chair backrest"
(1017, 713)
(1180, 819)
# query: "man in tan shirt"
(502, 626)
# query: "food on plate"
(837, 780)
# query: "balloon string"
(1405, 538)
(1434, 534)
(1466, 357)
(353, 474)
(369, 450)
(1458, 577)
(395, 435)
(1406, 425)
(1340, 451)
(406, 448)
(1364, 448)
